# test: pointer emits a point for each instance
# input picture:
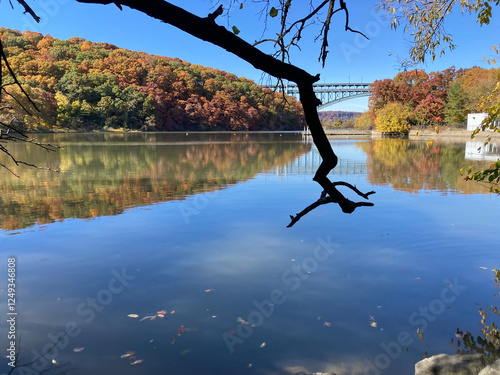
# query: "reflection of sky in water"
(389, 261)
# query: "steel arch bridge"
(329, 93)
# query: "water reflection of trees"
(104, 174)
(489, 342)
(416, 165)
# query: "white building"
(474, 120)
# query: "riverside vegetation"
(81, 85)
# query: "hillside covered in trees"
(338, 119)
(81, 85)
(428, 99)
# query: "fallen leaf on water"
(483, 268)
(172, 312)
(373, 322)
(420, 334)
(162, 312)
(127, 355)
(239, 319)
(179, 331)
(160, 315)
(133, 315)
(150, 317)
(249, 365)
(184, 352)
(136, 362)
(55, 362)
(78, 350)
(262, 345)
(209, 290)
(327, 324)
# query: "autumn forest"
(81, 85)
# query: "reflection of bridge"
(330, 93)
(307, 165)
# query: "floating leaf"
(150, 317)
(263, 345)
(133, 315)
(160, 315)
(241, 5)
(78, 350)
(273, 12)
(55, 362)
(184, 352)
(127, 355)
(239, 319)
(136, 362)
(327, 324)
(420, 334)
(236, 31)
(209, 290)
(163, 312)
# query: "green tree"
(455, 109)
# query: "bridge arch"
(330, 93)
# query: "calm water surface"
(190, 231)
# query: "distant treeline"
(82, 85)
(338, 119)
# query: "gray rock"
(493, 369)
(443, 364)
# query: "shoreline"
(459, 134)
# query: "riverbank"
(457, 134)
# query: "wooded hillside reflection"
(418, 165)
(103, 174)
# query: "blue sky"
(351, 58)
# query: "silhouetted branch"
(324, 199)
(206, 29)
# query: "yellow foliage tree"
(394, 117)
(363, 122)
